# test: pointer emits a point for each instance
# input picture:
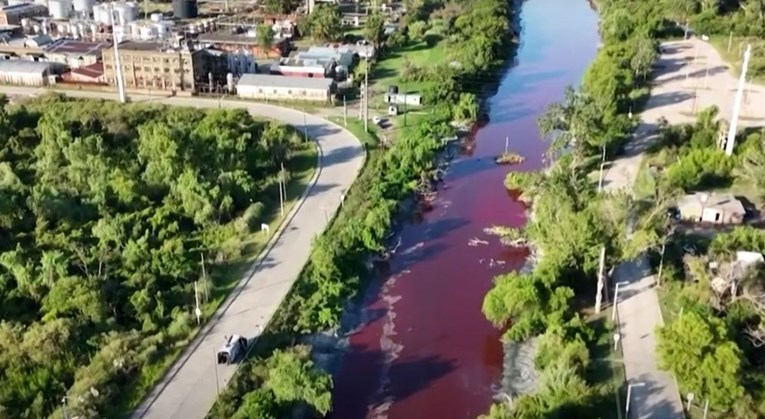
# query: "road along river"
(426, 350)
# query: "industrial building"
(12, 15)
(240, 44)
(73, 53)
(294, 67)
(24, 73)
(91, 74)
(270, 87)
(153, 65)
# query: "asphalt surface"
(689, 76)
(190, 387)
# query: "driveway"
(191, 385)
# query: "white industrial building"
(24, 73)
(270, 87)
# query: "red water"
(427, 351)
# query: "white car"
(234, 348)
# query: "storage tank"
(36, 29)
(84, 7)
(148, 32)
(156, 17)
(164, 29)
(60, 9)
(134, 28)
(16, 2)
(393, 90)
(43, 2)
(185, 9)
(125, 12)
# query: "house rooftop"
(266, 80)
(227, 38)
(94, 70)
(71, 46)
(713, 200)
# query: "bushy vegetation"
(338, 264)
(713, 341)
(107, 213)
(571, 222)
(740, 18)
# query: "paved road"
(189, 389)
(681, 86)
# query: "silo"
(185, 9)
(125, 12)
(60, 9)
(84, 7)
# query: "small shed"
(711, 208)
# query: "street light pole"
(305, 125)
(731, 140)
(629, 396)
(63, 407)
(616, 298)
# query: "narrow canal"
(426, 350)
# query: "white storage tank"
(164, 29)
(43, 2)
(16, 2)
(135, 29)
(148, 32)
(125, 12)
(84, 7)
(60, 9)
(156, 17)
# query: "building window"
(146, 69)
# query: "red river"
(426, 350)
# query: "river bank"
(426, 349)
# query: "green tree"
(324, 23)
(373, 29)
(697, 349)
(265, 36)
(293, 377)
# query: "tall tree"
(373, 29)
(324, 23)
(265, 37)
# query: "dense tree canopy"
(107, 211)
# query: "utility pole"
(730, 40)
(117, 62)
(601, 280)
(305, 127)
(197, 310)
(282, 190)
(204, 277)
(731, 140)
(345, 112)
(366, 91)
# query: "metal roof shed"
(271, 87)
(24, 73)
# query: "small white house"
(272, 87)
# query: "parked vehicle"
(231, 351)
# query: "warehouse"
(24, 73)
(270, 87)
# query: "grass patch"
(302, 166)
(370, 139)
(735, 56)
(606, 369)
(388, 71)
